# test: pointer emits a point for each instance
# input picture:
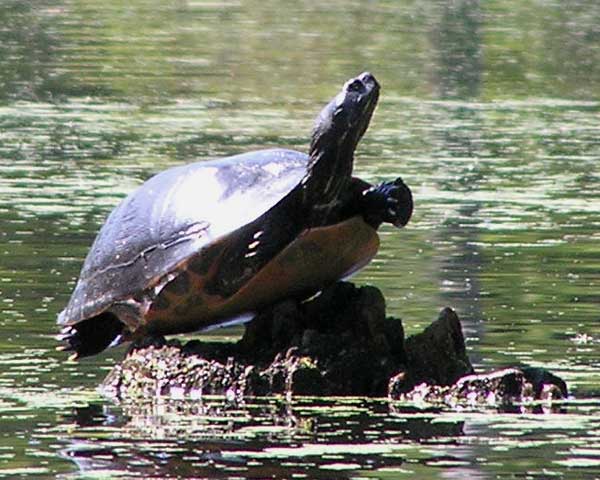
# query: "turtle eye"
(355, 86)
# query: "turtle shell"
(175, 215)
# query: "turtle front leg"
(389, 202)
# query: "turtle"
(203, 244)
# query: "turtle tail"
(91, 336)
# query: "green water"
(490, 111)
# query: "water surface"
(489, 111)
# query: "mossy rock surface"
(338, 343)
(501, 388)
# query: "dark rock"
(337, 343)
(147, 342)
(437, 356)
(502, 387)
(394, 332)
(166, 371)
(545, 384)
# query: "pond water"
(490, 111)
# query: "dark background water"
(489, 111)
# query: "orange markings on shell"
(317, 258)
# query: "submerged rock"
(338, 343)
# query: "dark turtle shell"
(175, 215)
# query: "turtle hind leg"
(92, 335)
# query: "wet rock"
(338, 343)
(436, 356)
(165, 370)
(545, 385)
(502, 387)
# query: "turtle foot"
(90, 336)
(389, 202)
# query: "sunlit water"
(502, 156)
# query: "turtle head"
(342, 123)
(338, 129)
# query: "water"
(489, 111)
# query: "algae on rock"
(338, 343)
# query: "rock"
(545, 385)
(436, 356)
(337, 343)
(165, 370)
(503, 387)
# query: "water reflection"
(314, 439)
(457, 40)
(272, 438)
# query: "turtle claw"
(69, 343)
(65, 334)
(61, 337)
(64, 338)
(68, 348)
